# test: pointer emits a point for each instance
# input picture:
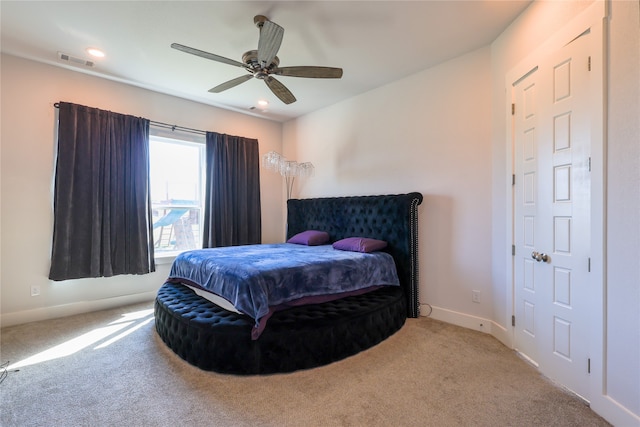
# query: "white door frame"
(592, 18)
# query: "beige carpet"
(110, 368)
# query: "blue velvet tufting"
(214, 339)
(392, 218)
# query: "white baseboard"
(468, 321)
(64, 310)
(613, 411)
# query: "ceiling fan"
(263, 63)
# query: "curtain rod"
(165, 125)
(176, 127)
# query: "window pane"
(176, 194)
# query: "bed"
(304, 336)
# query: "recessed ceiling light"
(95, 52)
(263, 102)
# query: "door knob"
(539, 257)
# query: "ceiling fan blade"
(280, 90)
(231, 83)
(207, 55)
(269, 43)
(310, 72)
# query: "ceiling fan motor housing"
(251, 59)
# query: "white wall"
(621, 374)
(429, 133)
(29, 90)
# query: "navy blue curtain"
(102, 203)
(232, 201)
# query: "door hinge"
(513, 109)
(588, 366)
(513, 179)
(589, 164)
(589, 64)
(513, 320)
(589, 265)
(513, 249)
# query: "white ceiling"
(375, 42)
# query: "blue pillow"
(360, 244)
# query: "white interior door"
(551, 133)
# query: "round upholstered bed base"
(214, 339)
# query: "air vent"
(75, 60)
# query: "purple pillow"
(310, 238)
(360, 244)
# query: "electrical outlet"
(475, 296)
(35, 290)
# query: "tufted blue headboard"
(393, 218)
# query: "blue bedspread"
(256, 277)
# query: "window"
(177, 194)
